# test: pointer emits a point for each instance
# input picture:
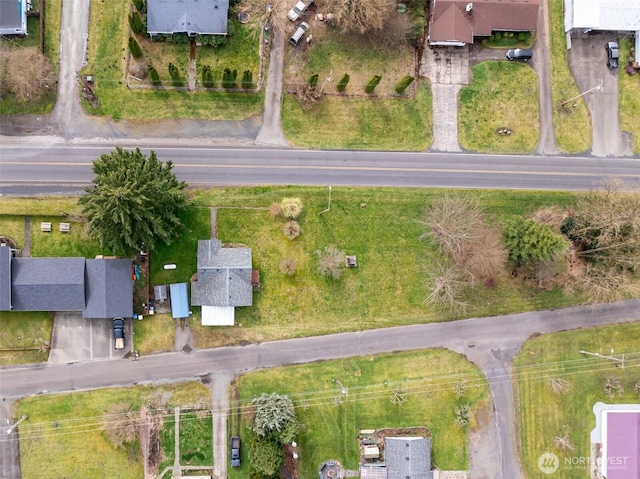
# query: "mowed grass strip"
(545, 414)
(108, 54)
(331, 420)
(629, 86)
(502, 95)
(572, 124)
(337, 122)
(23, 336)
(69, 428)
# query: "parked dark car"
(235, 451)
(118, 332)
(613, 54)
(519, 55)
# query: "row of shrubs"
(229, 78)
(401, 86)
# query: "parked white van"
(299, 33)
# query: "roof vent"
(468, 7)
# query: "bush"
(229, 78)
(291, 208)
(275, 210)
(134, 48)
(292, 229)
(402, 85)
(288, 266)
(247, 80)
(313, 81)
(154, 78)
(342, 84)
(139, 4)
(330, 262)
(498, 36)
(373, 83)
(207, 77)
(177, 80)
(215, 41)
(135, 22)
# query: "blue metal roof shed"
(179, 300)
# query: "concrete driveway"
(76, 339)
(588, 62)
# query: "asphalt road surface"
(490, 343)
(57, 167)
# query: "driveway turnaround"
(588, 63)
(448, 70)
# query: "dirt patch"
(289, 469)
(150, 442)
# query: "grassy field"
(69, 428)
(629, 86)
(515, 88)
(107, 63)
(196, 440)
(388, 286)
(545, 414)
(22, 335)
(337, 122)
(330, 429)
(572, 124)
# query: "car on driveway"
(297, 10)
(299, 33)
(118, 332)
(235, 451)
(613, 54)
(519, 55)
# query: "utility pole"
(595, 88)
(10, 430)
(611, 358)
(329, 207)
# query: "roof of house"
(5, 278)
(407, 457)
(47, 284)
(451, 22)
(616, 15)
(108, 288)
(224, 276)
(13, 17)
(207, 17)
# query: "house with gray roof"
(193, 17)
(13, 17)
(407, 457)
(99, 288)
(223, 283)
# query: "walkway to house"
(448, 70)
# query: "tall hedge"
(344, 81)
(373, 83)
(229, 78)
(134, 48)
(207, 77)
(154, 78)
(135, 22)
(402, 85)
(247, 80)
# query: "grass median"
(629, 97)
(556, 388)
(331, 420)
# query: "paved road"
(58, 167)
(490, 342)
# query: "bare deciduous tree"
(359, 16)
(460, 389)
(330, 262)
(120, 423)
(288, 266)
(602, 282)
(612, 387)
(447, 287)
(559, 385)
(263, 12)
(462, 415)
(563, 443)
(291, 229)
(397, 30)
(307, 96)
(399, 396)
(29, 74)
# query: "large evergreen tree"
(135, 201)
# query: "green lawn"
(22, 335)
(545, 414)
(196, 440)
(330, 430)
(512, 86)
(388, 286)
(108, 52)
(64, 432)
(629, 86)
(572, 124)
(337, 122)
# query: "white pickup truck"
(298, 9)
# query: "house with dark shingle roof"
(99, 288)
(224, 282)
(193, 17)
(459, 22)
(13, 17)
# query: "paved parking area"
(588, 62)
(448, 70)
(76, 339)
